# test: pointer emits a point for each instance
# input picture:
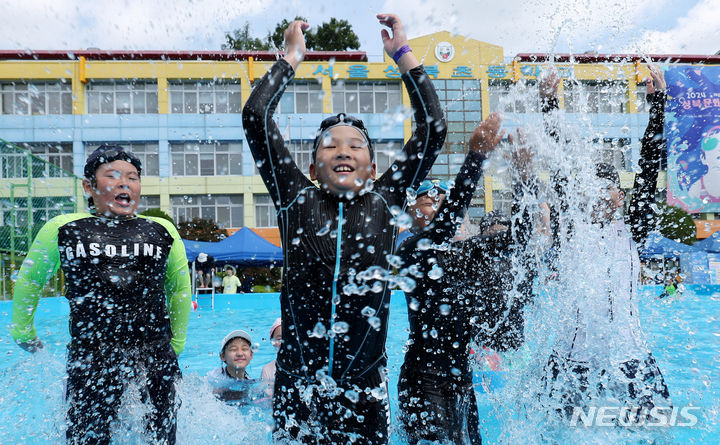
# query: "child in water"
(332, 232)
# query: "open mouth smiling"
(123, 199)
(343, 168)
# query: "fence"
(32, 191)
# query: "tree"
(157, 213)
(676, 224)
(336, 35)
(199, 229)
(242, 40)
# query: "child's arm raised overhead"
(281, 175)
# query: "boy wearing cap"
(129, 291)
(236, 352)
(331, 234)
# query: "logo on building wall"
(444, 51)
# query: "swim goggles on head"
(109, 153)
(336, 121)
(440, 184)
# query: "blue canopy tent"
(657, 245)
(710, 244)
(243, 248)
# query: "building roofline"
(617, 58)
(341, 56)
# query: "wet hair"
(492, 218)
(609, 172)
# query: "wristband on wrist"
(401, 52)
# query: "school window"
(121, 97)
(58, 155)
(265, 213)
(36, 98)
(148, 202)
(508, 97)
(613, 152)
(147, 152)
(385, 154)
(641, 102)
(502, 201)
(225, 210)
(205, 158)
(590, 96)
(461, 103)
(301, 97)
(43, 209)
(354, 97)
(301, 152)
(204, 97)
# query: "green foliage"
(158, 214)
(335, 35)
(242, 40)
(199, 229)
(676, 224)
(263, 279)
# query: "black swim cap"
(109, 153)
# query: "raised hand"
(656, 81)
(395, 42)
(295, 42)
(487, 135)
(521, 155)
(549, 83)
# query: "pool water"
(683, 333)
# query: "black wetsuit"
(468, 302)
(335, 311)
(129, 291)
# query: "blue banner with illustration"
(692, 129)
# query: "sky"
(577, 26)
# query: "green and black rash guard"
(334, 300)
(127, 280)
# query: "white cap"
(202, 257)
(235, 334)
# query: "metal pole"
(29, 203)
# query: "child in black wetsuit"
(129, 291)
(330, 382)
(462, 291)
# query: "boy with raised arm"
(463, 293)
(601, 349)
(330, 384)
(129, 291)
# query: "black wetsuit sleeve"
(281, 175)
(426, 141)
(641, 217)
(522, 217)
(550, 107)
(453, 209)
